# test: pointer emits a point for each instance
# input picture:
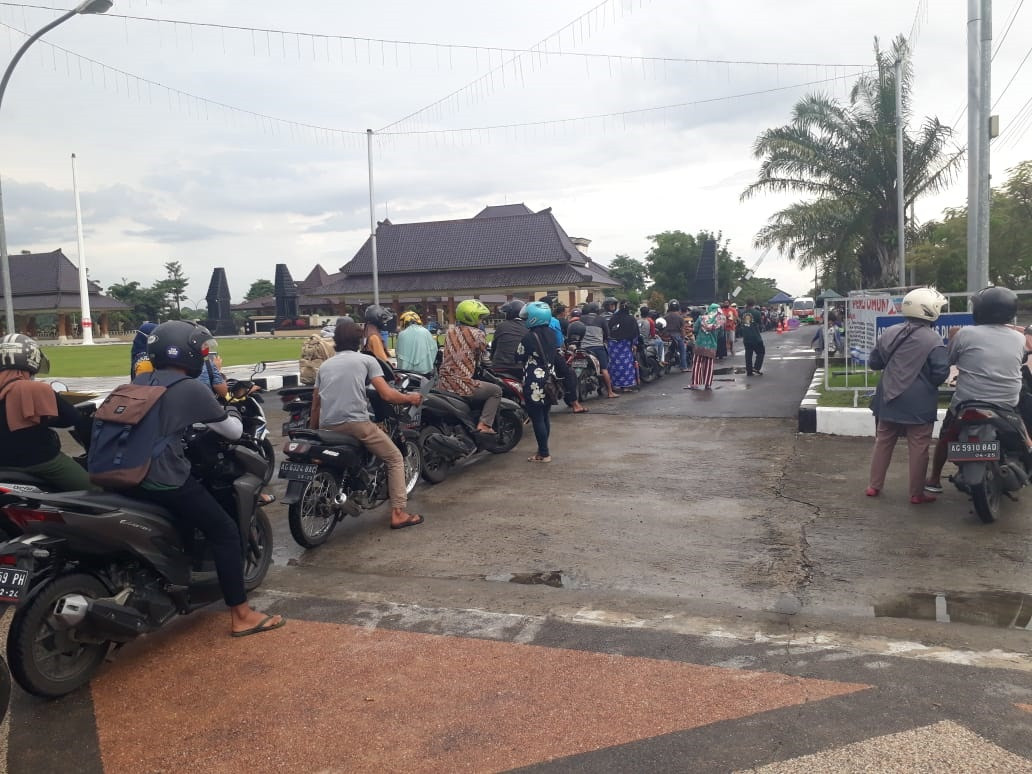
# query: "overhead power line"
(142, 89)
(395, 42)
(1007, 28)
(1015, 75)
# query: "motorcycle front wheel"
(258, 556)
(986, 496)
(268, 452)
(313, 517)
(435, 467)
(510, 432)
(45, 656)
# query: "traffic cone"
(781, 327)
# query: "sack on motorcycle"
(126, 436)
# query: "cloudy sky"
(228, 147)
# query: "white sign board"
(862, 313)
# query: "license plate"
(298, 471)
(974, 451)
(12, 583)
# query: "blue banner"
(942, 325)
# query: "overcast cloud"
(165, 177)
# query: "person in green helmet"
(464, 347)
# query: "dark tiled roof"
(504, 210)
(433, 283)
(48, 282)
(316, 278)
(269, 303)
(482, 243)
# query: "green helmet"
(470, 312)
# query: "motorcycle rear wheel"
(435, 467)
(510, 432)
(258, 556)
(313, 517)
(45, 658)
(985, 497)
(587, 384)
(413, 459)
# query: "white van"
(803, 307)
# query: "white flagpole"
(84, 287)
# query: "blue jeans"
(682, 353)
(542, 423)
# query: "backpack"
(314, 352)
(127, 435)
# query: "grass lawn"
(113, 359)
(839, 379)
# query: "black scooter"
(247, 399)
(92, 570)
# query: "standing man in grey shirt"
(339, 404)
(988, 356)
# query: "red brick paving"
(318, 697)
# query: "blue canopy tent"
(781, 298)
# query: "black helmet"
(994, 306)
(378, 316)
(179, 344)
(673, 306)
(19, 352)
(591, 307)
(511, 309)
(609, 304)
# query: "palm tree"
(845, 157)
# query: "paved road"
(690, 586)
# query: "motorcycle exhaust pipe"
(101, 617)
(342, 502)
(448, 446)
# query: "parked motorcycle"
(297, 403)
(649, 366)
(991, 456)
(449, 431)
(93, 569)
(332, 475)
(245, 396)
(586, 366)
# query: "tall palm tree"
(844, 156)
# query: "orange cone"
(781, 327)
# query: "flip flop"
(413, 521)
(261, 627)
(266, 499)
(582, 411)
(539, 458)
(933, 488)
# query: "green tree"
(940, 255)
(674, 258)
(145, 303)
(173, 289)
(630, 273)
(844, 157)
(259, 289)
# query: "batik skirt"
(622, 369)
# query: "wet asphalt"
(694, 527)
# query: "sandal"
(539, 458)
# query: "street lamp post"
(87, 6)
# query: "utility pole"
(84, 284)
(900, 183)
(372, 220)
(980, 35)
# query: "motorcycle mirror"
(259, 367)
(59, 387)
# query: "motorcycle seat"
(14, 476)
(302, 391)
(328, 437)
(122, 501)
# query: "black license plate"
(974, 451)
(298, 471)
(12, 583)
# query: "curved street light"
(88, 6)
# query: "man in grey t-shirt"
(339, 404)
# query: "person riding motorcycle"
(339, 404)
(508, 335)
(179, 348)
(28, 411)
(417, 347)
(675, 330)
(377, 320)
(464, 346)
(596, 341)
(988, 356)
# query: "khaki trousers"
(919, 438)
(380, 444)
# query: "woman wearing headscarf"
(623, 333)
(709, 329)
(28, 411)
(914, 362)
(539, 354)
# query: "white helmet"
(660, 323)
(923, 304)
